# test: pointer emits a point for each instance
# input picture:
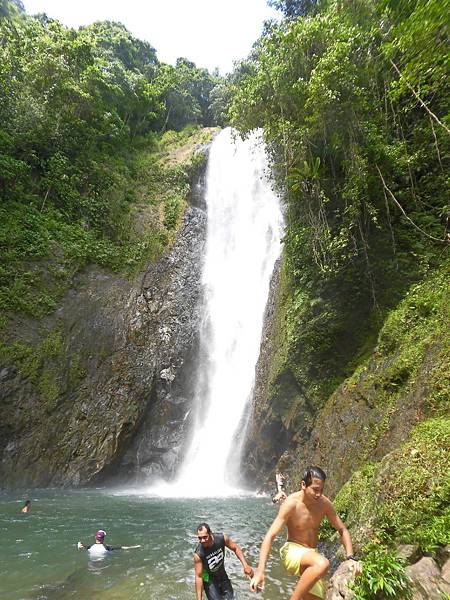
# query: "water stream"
(243, 242)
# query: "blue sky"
(211, 33)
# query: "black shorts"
(220, 589)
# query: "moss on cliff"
(42, 366)
(406, 496)
(400, 489)
(419, 322)
(44, 249)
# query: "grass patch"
(383, 576)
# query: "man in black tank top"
(209, 559)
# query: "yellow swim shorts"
(291, 555)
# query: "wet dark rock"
(286, 432)
(267, 436)
(111, 397)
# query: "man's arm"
(198, 567)
(346, 540)
(278, 524)
(231, 544)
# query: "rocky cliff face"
(100, 386)
(267, 437)
(403, 382)
(170, 321)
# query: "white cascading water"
(244, 233)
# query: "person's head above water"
(100, 536)
(311, 473)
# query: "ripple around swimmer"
(51, 568)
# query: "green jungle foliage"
(406, 496)
(383, 576)
(82, 118)
(354, 101)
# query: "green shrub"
(383, 576)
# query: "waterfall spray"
(243, 242)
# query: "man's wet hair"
(313, 472)
(204, 526)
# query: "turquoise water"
(39, 559)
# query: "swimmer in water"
(26, 507)
(100, 549)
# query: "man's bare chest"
(306, 518)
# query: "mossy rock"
(406, 496)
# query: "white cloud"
(210, 33)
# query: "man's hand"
(257, 582)
(248, 571)
(357, 569)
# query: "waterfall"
(243, 242)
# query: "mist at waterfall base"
(243, 242)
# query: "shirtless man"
(302, 512)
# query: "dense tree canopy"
(75, 108)
(296, 8)
(353, 99)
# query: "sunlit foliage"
(80, 110)
(353, 99)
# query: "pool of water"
(39, 559)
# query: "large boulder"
(427, 580)
(338, 585)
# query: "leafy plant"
(383, 576)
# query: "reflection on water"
(39, 559)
